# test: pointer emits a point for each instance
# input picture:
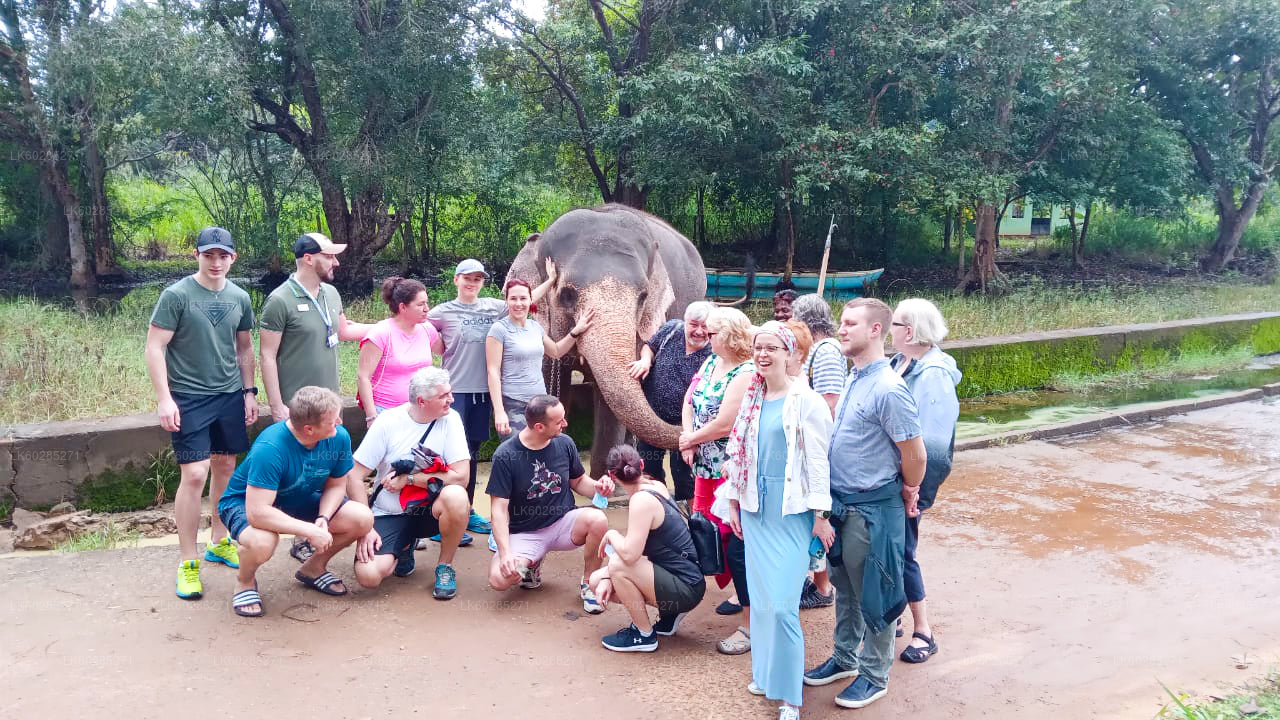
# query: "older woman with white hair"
(931, 376)
(666, 367)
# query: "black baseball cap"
(215, 238)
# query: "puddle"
(1026, 410)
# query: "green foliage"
(131, 488)
(1261, 697)
(1126, 358)
(109, 537)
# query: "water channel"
(1025, 410)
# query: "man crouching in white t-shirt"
(420, 453)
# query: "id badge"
(333, 339)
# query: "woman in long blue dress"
(777, 484)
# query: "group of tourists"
(805, 445)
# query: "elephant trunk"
(608, 347)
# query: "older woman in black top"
(653, 564)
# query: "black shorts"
(674, 595)
(477, 416)
(400, 533)
(209, 424)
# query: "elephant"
(637, 272)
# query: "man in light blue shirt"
(877, 460)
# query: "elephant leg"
(607, 432)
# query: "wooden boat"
(732, 284)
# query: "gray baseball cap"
(215, 238)
(470, 265)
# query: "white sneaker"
(589, 602)
(754, 689)
(788, 712)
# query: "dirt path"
(1067, 579)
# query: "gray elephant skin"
(637, 272)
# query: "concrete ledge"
(45, 463)
(1131, 415)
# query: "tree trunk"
(1075, 237)
(960, 233)
(408, 261)
(1084, 233)
(946, 230)
(700, 220)
(983, 276)
(95, 176)
(55, 250)
(1232, 222)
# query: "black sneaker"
(629, 639)
(811, 598)
(405, 564)
(666, 626)
(827, 673)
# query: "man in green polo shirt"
(302, 324)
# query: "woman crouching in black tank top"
(653, 564)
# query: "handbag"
(706, 541)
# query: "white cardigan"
(806, 421)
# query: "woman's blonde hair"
(734, 329)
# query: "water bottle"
(600, 501)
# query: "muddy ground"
(1067, 579)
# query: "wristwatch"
(824, 514)
(251, 390)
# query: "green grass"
(111, 536)
(57, 363)
(1261, 696)
(1189, 362)
(1034, 306)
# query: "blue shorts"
(209, 424)
(236, 518)
(477, 416)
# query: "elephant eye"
(643, 298)
(568, 297)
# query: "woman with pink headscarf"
(777, 484)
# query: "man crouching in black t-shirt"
(535, 473)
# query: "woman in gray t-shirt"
(513, 356)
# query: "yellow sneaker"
(189, 587)
(223, 552)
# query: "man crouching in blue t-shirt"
(535, 473)
(293, 481)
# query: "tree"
(37, 122)
(367, 93)
(1213, 69)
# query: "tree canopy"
(392, 125)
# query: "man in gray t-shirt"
(199, 355)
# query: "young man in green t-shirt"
(200, 357)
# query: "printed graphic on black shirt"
(544, 481)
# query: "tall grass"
(110, 536)
(57, 363)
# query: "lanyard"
(322, 312)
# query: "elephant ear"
(659, 296)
